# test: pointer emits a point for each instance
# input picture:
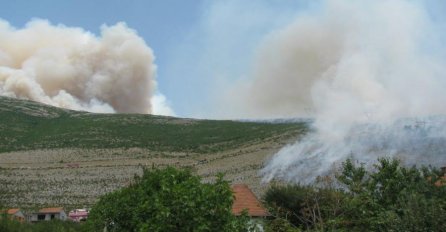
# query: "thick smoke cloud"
(371, 73)
(71, 68)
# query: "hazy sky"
(183, 34)
(161, 23)
(199, 45)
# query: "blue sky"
(158, 22)
(200, 45)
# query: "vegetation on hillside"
(27, 125)
(47, 226)
(52, 156)
(390, 197)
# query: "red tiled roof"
(13, 211)
(10, 211)
(51, 210)
(245, 199)
(441, 181)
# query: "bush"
(281, 225)
(306, 207)
(7, 225)
(389, 197)
(167, 200)
(393, 197)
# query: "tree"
(393, 197)
(306, 207)
(387, 197)
(167, 200)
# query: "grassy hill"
(26, 125)
(51, 156)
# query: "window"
(40, 217)
(52, 216)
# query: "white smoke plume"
(371, 73)
(72, 68)
(161, 106)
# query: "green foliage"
(305, 207)
(393, 197)
(390, 197)
(286, 201)
(281, 225)
(167, 200)
(26, 125)
(7, 225)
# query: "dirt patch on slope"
(77, 177)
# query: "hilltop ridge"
(28, 125)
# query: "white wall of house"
(19, 214)
(257, 223)
(35, 217)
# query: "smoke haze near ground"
(72, 68)
(361, 67)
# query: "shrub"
(281, 225)
(7, 225)
(389, 197)
(305, 207)
(394, 197)
(167, 200)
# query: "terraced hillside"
(53, 156)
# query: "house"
(14, 214)
(47, 214)
(244, 199)
(442, 180)
(78, 215)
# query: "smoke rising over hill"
(359, 68)
(71, 68)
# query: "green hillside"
(56, 157)
(27, 125)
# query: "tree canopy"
(387, 197)
(167, 200)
